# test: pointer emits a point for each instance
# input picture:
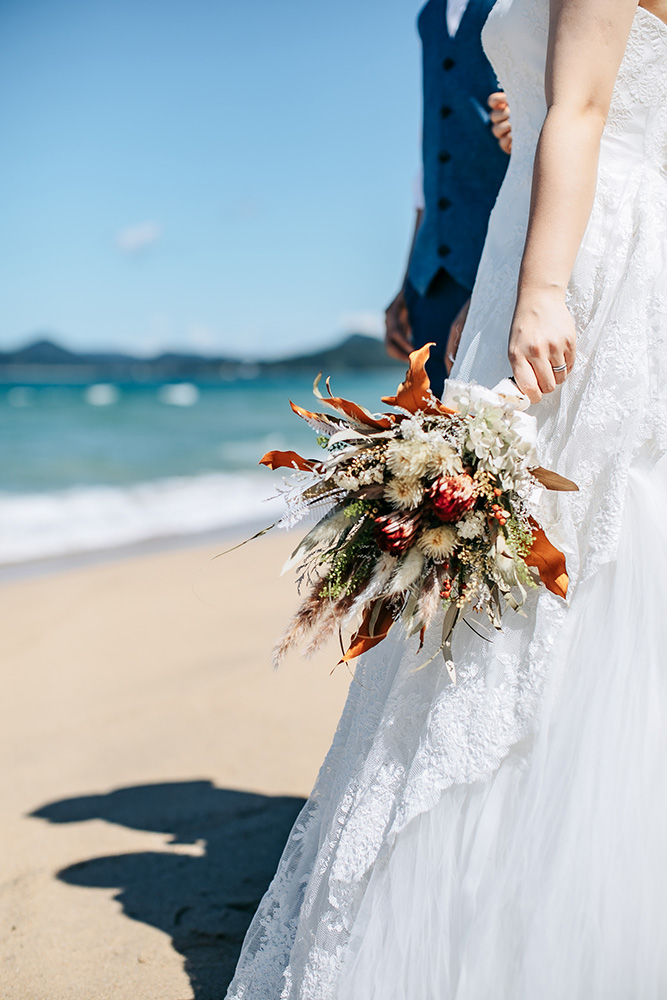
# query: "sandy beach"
(152, 766)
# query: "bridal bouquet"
(424, 508)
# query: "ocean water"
(85, 468)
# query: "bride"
(506, 837)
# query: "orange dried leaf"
(319, 421)
(549, 562)
(415, 394)
(363, 640)
(287, 460)
(358, 414)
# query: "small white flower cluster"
(353, 480)
(412, 428)
(478, 590)
(472, 526)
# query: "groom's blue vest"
(463, 163)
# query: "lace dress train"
(504, 837)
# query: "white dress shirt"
(455, 11)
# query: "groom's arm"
(398, 335)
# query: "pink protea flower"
(396, 532)
(453, 496)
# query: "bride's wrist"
(530, 291)
(534, 299)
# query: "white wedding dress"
(506, 838)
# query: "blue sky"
(230, 176)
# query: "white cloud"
(131, 239)
(367, 321)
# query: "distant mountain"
(356, 351)
(46, 361)
(41, 352)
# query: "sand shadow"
(204, 903)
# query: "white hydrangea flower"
(500, 449)
(405, 494)
(472, 397)
(438, 543)
(500, 434)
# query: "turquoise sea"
(85, 468)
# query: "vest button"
(444, 156)
(445, 111)
(448, 63)
(443, 250)
(444, 203)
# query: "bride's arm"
(587, 39)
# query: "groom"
(464, 166)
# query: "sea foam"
(85, 519)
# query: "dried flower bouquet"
(427, 513)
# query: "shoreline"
(47, 566)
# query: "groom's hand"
(500, 118)
(398, 334)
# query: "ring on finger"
(558, 369)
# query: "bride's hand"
(542, 338)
